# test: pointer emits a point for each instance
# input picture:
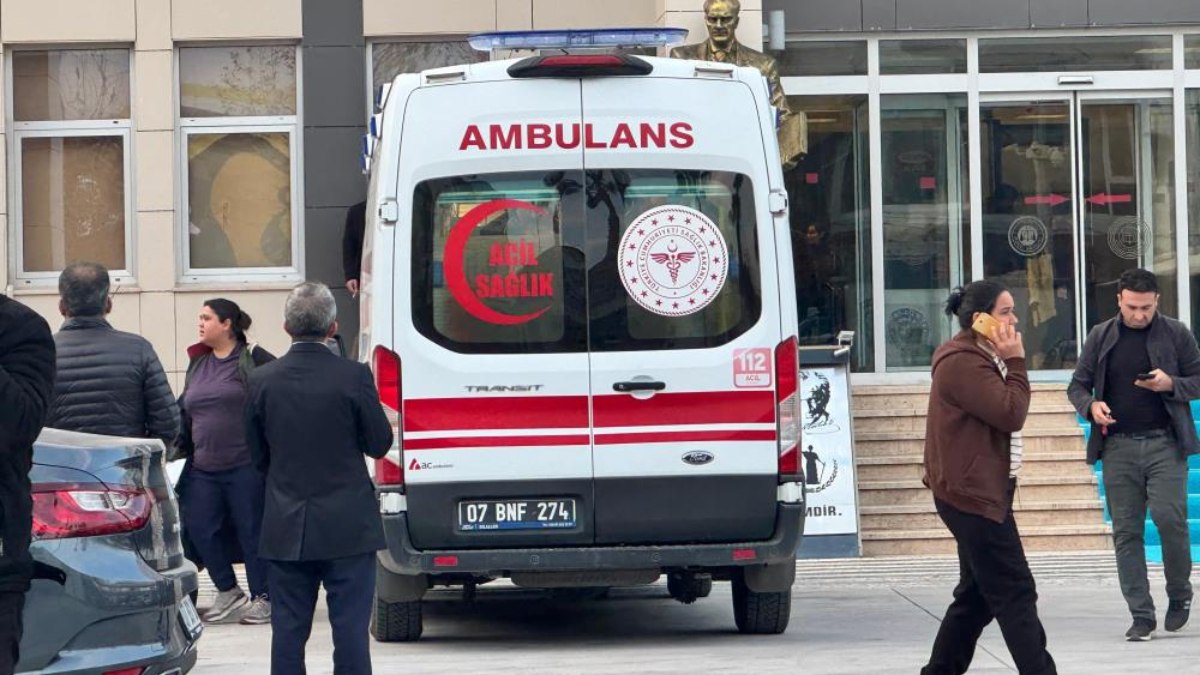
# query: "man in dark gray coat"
(311, 417)
(26, 377)
(1134, 382)
(109, 381)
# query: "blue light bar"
(597, 38)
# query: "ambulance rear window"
(492, 271)
(673, 259)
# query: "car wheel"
(760, 613)
(687, 588)
(397, 621)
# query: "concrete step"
(876, 397)
(1029, 514)
(931, 542)
(1037, 441)
(1032, 488)
(910, 466)
(913, 419)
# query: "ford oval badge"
(698, 457)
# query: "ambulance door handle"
(638, 385)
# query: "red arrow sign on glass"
(1051, 199)
(1105, 199)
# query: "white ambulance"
(578, 303)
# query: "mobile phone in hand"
(1145, 376)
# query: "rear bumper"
(401, 557)
(112, 611)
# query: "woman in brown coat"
(977, 407)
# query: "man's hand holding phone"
(1155, 380)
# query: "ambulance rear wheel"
(397, 621)
(760, 613)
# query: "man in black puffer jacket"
(109, 382)
(26, 378)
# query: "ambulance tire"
(760, 613)
(688, 589)
(397, 621)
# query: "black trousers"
(994, 583)
(220, 499)
(349, 594)
(11, 604)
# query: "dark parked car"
(111, 590)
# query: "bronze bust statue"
(721, 19)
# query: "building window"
(239, 162)
(389, 59)
(70, 121)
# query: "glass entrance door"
(1076, 189)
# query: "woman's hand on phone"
(1009, 343)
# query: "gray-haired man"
(311, 417)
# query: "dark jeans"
(994, 583)
(220, 499)
(1141, 472)
(11, 604)
(349, 595)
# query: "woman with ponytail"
(977, 406)
(221, 492)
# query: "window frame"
(185, 127)
(19, 131)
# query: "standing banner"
(827, 451)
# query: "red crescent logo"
(456, 250)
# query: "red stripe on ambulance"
(667, 409)
(501, 412)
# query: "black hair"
(83, 287)
(1137, 280)
(228, 310)
(977, 296)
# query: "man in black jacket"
(109, 382)
(311, 416)
(26, 378)
(1134, 382)
(352, 246)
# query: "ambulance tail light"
(385, 363)
(787, 398)
(579, 65)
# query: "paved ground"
(848, 618)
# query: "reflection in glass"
(829, 194)
(1044, 55)
(72, 201)
(239, 200)
(1029, 223)
(237, 81)
(389, 59)
(1129, 193)
(74, 84)
(925, 216)
(920, 57)
(802, 59)
(1191, 51)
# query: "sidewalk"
(852, 617)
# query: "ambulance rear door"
(683, 318)
(491, 327)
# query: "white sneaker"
(258, 613)
(228, 606)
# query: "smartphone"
(1145, 376)
(986, 325)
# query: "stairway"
(1058, 506)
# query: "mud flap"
(773, 578)
(391, 587)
